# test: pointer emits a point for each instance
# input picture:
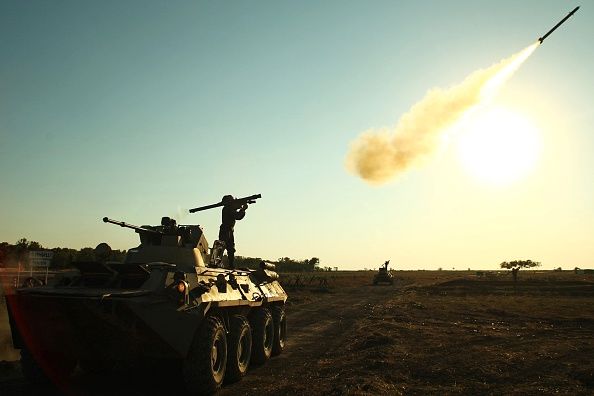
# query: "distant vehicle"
(383, 275)
(162, 302)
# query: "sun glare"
(498, 147)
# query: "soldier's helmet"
(102, 252)
(227, 199)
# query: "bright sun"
(498, 147)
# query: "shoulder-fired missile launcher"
(163, 302)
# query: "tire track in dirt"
(315, 328)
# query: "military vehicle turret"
(165, 301)
(383, 275)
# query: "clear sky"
(141, 109)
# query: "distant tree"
(21, 248)
(35, 245)
(247, 262)
(85, 254)
(63, 257)
(286, 264)
(313, 263)
(5, 250)
(22, 243)
(12, 254)
(515, 266)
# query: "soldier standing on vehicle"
(232, 211)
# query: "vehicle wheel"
(240, 348)
(204, 367)
(280, 330)
(263, 335)
(32, 282)
(96, 366)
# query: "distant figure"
(386, 265)
(232, 211)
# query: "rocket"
(541, 39)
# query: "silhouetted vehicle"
(163, 302)
(383, 275)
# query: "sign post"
(40, 259)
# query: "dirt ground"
(429, 333)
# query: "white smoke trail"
(379, 155)
(180, 214)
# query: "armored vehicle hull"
(215, 321)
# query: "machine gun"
(239, 201)
(168, 234)
(135, 228)
(148, 236)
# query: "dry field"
(430, 333)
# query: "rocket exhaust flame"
(380, 155)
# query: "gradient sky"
(141, 109)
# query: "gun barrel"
(126, 225)
(250, 199)
(206, 207)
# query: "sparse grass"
(429, 341)
(433, 332)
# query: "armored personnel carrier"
(383, 275)
(169, 299)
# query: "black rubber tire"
(205, 366)
(240, 348)
(280, 330)
(262, 335)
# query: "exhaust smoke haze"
(378, 155)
